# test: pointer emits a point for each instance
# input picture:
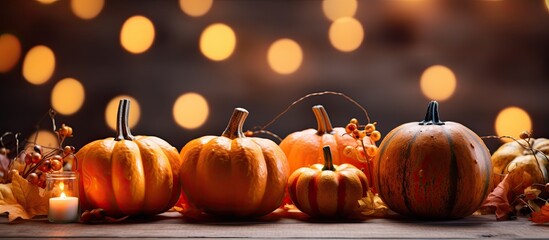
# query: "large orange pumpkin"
(234, 175)
(129, 175)
(327, 190)
(433, 169)
(304, 148)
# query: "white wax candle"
(63, 209)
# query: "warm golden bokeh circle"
(137, 34)
(438, 83)
(512, 121)
(335, 9)
(87, 9)
(217, 42)
(195, 8)
(285, 56)
(67, 96)
(38, 65)
(191, 110)
(10, 52)
(346, 34)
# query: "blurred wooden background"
(497, 50)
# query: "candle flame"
(63, 196)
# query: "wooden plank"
(173, 225)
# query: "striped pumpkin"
(433, 169)
(327, 190)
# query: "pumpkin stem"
(122, 126)
(234, 128)
(432, 118)
(328, 163)
(323, 121)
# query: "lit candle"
(63, 209)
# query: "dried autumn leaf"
(531, 193)
(372, 205)
(498, 201)
(22, 199)
(542, 216)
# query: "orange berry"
(65, 131)
(369, 128)
(68, 150)
(524, 135)
(36, 157)
(33, 178)
(349, 151)
(350, 128)
(56, 165)
(375, 136)
(45, 166)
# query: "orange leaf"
(498, 201)
(542, 216)
(22, 199)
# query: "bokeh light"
(111, 111)
(195, 8)
(346, 34)
(285, 56)
(217, 42)
(39, 65)
(46, 1)
(335, 9)
(137, 34)
(10, 52)
(67, 96)
(44, 138)
(87, 9)
(438, 83)
(190, 110)
(512, 121)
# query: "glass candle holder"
(62, 189)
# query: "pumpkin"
(433, 169)
(513, 158)
(233, 175)
(304, 148)
(327, 190)
(129, 175)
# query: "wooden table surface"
(278, 225)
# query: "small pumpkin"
(327, 190)
(129, 175)
(515, 158)
(234, 175)
(304, 148)
(433, 169)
